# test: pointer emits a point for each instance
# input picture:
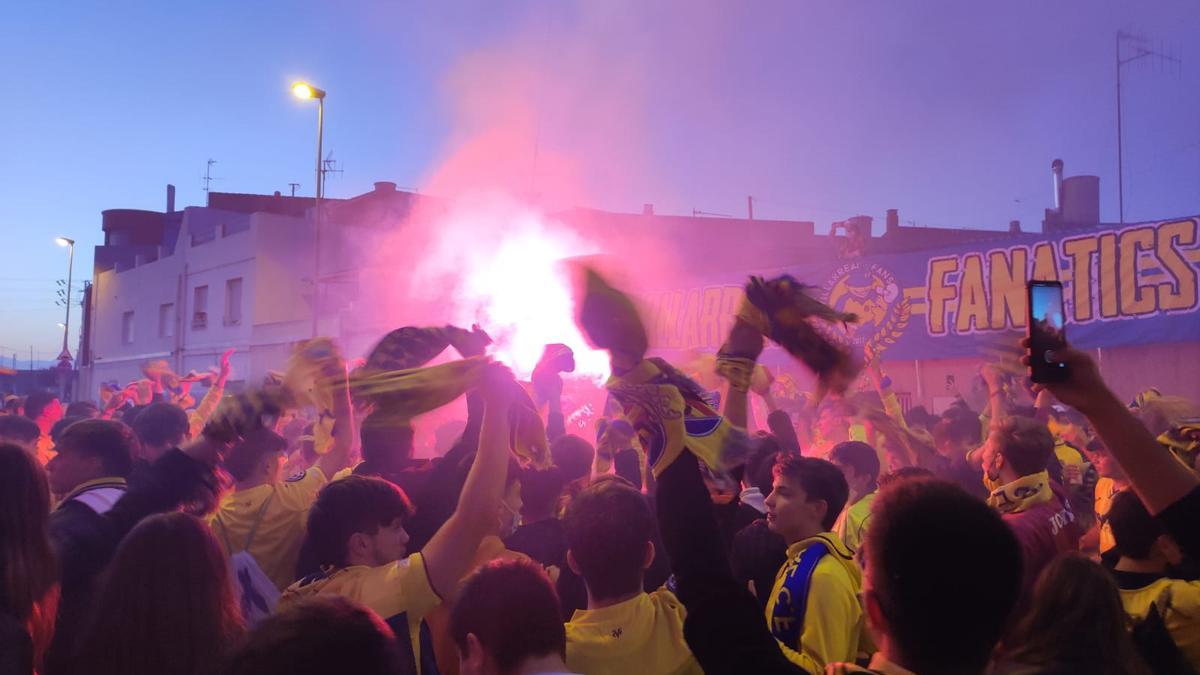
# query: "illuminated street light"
(65, 356)
(307, 91)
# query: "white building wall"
(265, 251)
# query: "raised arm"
(724, 628)
(449, 553)
(212, 397)
(338, 456)
(1157, 477)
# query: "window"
(200, 307)
(233, 302)
(127, 328)
(166, 320)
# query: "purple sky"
(949, 111)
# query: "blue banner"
(1122, 286)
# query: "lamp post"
(70, 244)
(305, 90)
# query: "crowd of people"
(291, 528)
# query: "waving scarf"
(1022, 494)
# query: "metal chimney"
(170, 198)
(893, 221)
(1014, 227)
(1056, 170)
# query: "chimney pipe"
(647, 209)
(1056, 170)
(749, 207)
(170, 198)
(893, 221)
(1014, 227)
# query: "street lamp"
(70, 245)
(306, 90)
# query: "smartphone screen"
(1047, 331)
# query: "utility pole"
(1140, 51)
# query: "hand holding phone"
(1046, 328)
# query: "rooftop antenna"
(1137, 48)
(698, 213)
(208, 179)
(293, 186)
(328, 165)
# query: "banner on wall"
(1122, 286)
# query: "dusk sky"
(950, 111)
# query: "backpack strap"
(262, 510)
(258, 519)
(787, 620)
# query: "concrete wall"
(214, 247)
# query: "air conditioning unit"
(199, 319)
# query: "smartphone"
(1046, 328)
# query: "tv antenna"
(293, 186)
(708, 214)
(1137, 48)
(328, 165)
(208, 179)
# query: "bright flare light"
(517, 285)
(63, 241)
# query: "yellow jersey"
(398, 592)
(280, 523)
(1177, 601)
(1106, 490)
(641, 635)
(851, 525)
(829, 627)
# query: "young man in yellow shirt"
(624, 630)
(1147, 553)
(265, 514)
(356, 529)
(859, 463)
(813, 610)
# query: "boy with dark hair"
(813, 610)
(507, 622)
(1015, 460)
(160, 427)
(82, 409)
(360, 519)
(265, 514)
(20, 430)
(91, 462)
(574, 456)
(541, 537)
(1142, 573)
(624, 629)
(936, 609)
(44, 408)
(327, 634)
(954, 436)
(361, 547)
(859, 463)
